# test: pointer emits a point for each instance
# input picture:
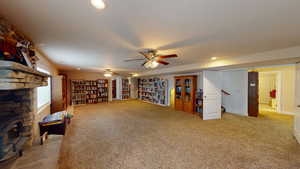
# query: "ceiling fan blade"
(144, 63)
(168, 56)
(162, 62)
(130, 60)
(145, 55)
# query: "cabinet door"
(178, 94)
(188, 99)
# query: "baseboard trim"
(213, 117)
(289, 113)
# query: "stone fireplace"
(17, 106)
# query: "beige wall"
(288, 80)
(267, 83)
(45, 64)
(80, 75)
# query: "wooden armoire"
(185, 90)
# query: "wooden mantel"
(17, 76)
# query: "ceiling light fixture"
(214, 58)
(99, 4)
(154, 64)
(151, 64)
(108, 73)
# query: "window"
(44, 93)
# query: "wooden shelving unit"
(102, 90)
(78, 92)
(125, 89)
(89, 91)
(153, 90)
(185, 89)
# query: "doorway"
(276, 90)
(114, 88)
(264, 92)
(269, 92)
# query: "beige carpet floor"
(137, 135)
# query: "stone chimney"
(17, 100)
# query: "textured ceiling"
(74, 34)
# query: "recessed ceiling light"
(99, 4)
(214, 58)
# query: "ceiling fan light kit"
(99, 4)
(151, 64)
(108, 73)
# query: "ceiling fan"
(109, 73)
(152, 59)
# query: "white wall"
(133, 87)
(235, 82)
(119, 87)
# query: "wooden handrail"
(223, 91)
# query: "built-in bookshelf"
(78, 92)
(125, 89)
(89, 91)
(102, 90)
(153, 90)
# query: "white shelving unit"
(153, 90)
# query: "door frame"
(297, 104)
(297, 80)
